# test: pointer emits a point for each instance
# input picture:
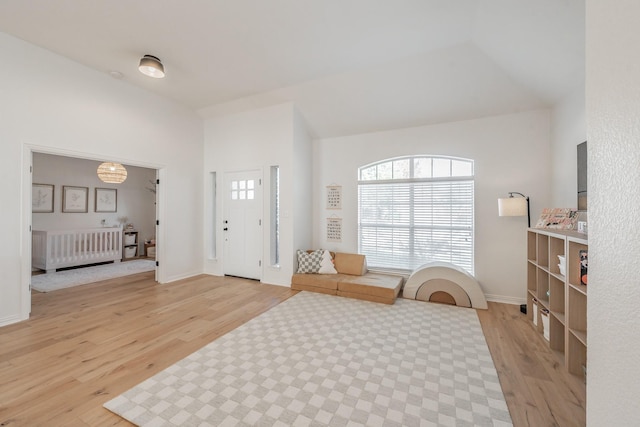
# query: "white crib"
(68, 248)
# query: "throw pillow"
(309, 262)
(326, 264)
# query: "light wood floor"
(538, 389)
(85, 345)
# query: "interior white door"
(242, 224)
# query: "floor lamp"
(515, 206)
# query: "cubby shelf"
(562, 295)
(129, 244)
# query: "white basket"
(562, 260)
(129, 239)
(544, 315)
(130, 252)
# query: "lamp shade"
(112, 173)
(512, 206)
(151, 66)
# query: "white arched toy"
(445, 277)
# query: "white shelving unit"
(129, 244)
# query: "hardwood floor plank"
(511, 378)
(538, 389)
(85, 345)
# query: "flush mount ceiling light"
(112, 173)
(151, 66)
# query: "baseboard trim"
(182, 276)
(11, 320)
(505, 299)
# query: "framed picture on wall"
(106, 200)
(334, 197)
(42, 198)
(75, 199)
(334, 229)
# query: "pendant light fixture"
(112, 173)
(151, 66)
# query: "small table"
(147, 246)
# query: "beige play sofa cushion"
(324, 281)
(384, 286)
(354, 264)
(352, 281)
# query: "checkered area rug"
(324, 360)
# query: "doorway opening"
(114, 226)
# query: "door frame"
(26, 217)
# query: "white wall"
(134, 200)
(511, 154)
(257, 140)
(568, 130)
(613, 134)
(59, 106)
(302, 214)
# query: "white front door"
(242, 224)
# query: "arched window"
(416, 209)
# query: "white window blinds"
(407, 221)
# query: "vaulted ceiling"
(351, 66)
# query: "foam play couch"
(344, 274)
